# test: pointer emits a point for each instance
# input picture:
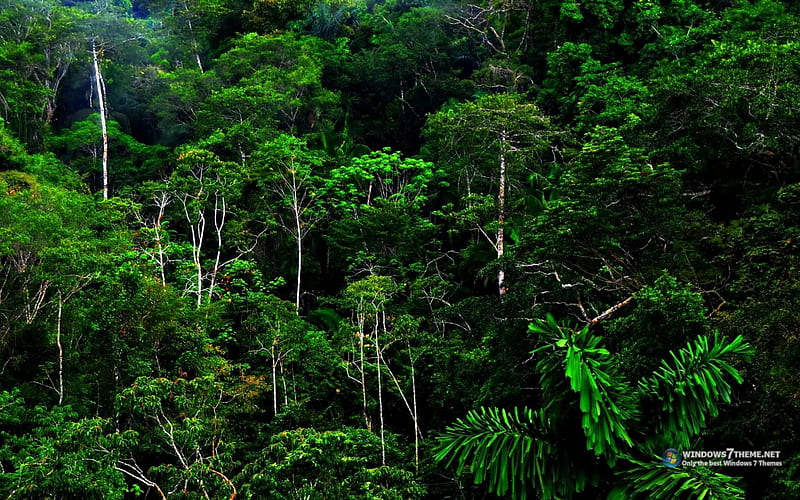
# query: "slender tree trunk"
(411, 407)
(199, 276)
(101, 101)
(299, 268)
(361, 326)
(60, 350)
(298, 227)
(195, 46)
(417, 432)
(283, 382)
(198, 232)
(380, 387)
(160, 245)
(501, 213)
(197, 55)
(274, 378)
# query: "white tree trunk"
(412, 406)
(274, 379)
(101, 101)
(501, 213)
(380, 388)
(361, 334)
(299, 237)
(162, 257)
(417, 431)
(60, 350)
(195, 46)
(197, 230)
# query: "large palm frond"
(510, 451)
(520, 450)
(603, 396)
(691, 384)
(653, 480)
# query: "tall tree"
(379, 211)
(292, 172)
(270, 82)
(484, 143)
(368, 298)
(206, 190)
(107, 29)
(189, 27)
(39, 43)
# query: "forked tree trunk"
(220, 214)
(417, 432)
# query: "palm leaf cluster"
(525, 453)
(691, 384)
(513, 442)
(652, 480)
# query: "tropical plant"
(528, 453)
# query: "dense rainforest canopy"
(398, 249)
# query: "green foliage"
(378, 203)
(787, 482)
(131, 162)
(404, 63)
(737, 96)
(190, 27)
(329, 19)
(690, 385)
(327, 464)
(652, 479)
(50, 451)
(271, 81)
(618, 216)
(12, 153)
(292, 359)
(631, 165)
(380, 175)
(39, 41)
(673, 306)
(503, 447)
(507, 449)
(273, 15)
(497, 152)
(175, 100)
(591, 374)
(181, 419)
(291, 173)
